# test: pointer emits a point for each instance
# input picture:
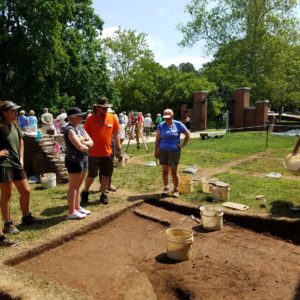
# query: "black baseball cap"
(75, 111)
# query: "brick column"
(199, 113)
(261, 116)
(241, 101)
(183, 112)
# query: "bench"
(211, 134)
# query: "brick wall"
(40, 156)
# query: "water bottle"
(38, 135)
(57, 149)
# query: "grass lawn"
(246, 179)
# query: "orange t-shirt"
(101, 131)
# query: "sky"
(158, 19)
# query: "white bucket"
(220, 191)
(212, 217)
(48, 180)
(179, 243)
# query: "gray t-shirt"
(11, 142)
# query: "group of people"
(30, 123)
(90, 151)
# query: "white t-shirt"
(148, 122)
(61, 119)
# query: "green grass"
(51, 204)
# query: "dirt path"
(126, 260)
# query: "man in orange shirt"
(101, 127)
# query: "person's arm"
(187, 136)
(4, 153)
(156, 147)
(296, 148)
(116, 131)
(87, 140)
(22, 152)
(74, 139)
(43, 120)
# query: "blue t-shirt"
(22, 121)
(32, 121)
(170, 135)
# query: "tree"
(187, 67)
(49, 54)
(125, 49)
(252, 42)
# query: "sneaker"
(165, 192)
(175, 194)
(76, 215)
(84, 211)
(9, 243)
(10, 228)
(104, 199)
(84, 198)
(30, 220)
(112, 188)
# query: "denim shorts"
(103, 164)
(76, 167)
(11, 174)
(169, 158)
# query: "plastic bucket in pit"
(212, 217)
(179, 243)
(48, 180)
(185, 185)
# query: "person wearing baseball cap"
(101, 127)
(168, 149)
(12, 171)
(78, 144)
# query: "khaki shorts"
(169, 158)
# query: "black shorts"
(76, 167)
(169, 158)
(11, 174)
(105, 164)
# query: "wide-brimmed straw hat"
(103, 102)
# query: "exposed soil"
(125, 259)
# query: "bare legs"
(165, 176)
(6, 191)
(75, 181)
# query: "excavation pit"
(125, 259)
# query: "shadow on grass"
(53, 211)
(281, 208)
(46, 223)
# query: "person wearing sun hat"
(102, 127)
(12, 170)
(168, 148)
(78, 144)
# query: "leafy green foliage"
(49, 49)
(255, 44)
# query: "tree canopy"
(255, 44)
(50, 55)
